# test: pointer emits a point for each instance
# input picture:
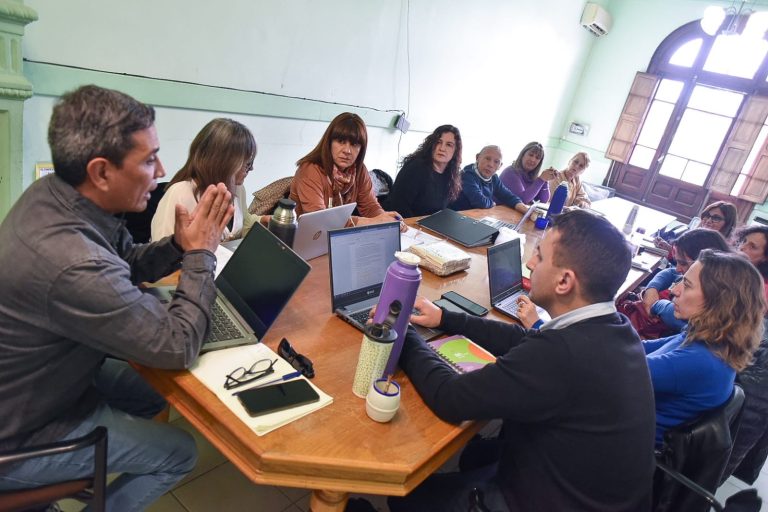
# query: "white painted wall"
(503, 72)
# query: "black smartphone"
(473, 308)
(448, 306)
(258, 401)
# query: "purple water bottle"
(396, 301)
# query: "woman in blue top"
(721, 297)
(687, 247)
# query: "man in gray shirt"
(69, 275)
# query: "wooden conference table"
(338, 450)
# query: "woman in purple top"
(525, 178)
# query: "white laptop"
(498, 224)
(505, 278)
(311, 238)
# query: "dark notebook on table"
(465, 230)
(358, 261)
(251, 290)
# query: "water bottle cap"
(408, 258)
(287, 203)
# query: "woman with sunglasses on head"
(525, 178)
(719, 216)
(223, 152)
(687, 248)
(333, 173)
(721, 298)
(430, 177)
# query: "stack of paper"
(415, 237)
(212, 369)
(441, 258)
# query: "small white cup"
(382, 402)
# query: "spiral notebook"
(463, 354)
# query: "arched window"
(694, 125)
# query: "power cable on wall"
(221, 87)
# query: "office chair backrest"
(90, 489)
(699, 449)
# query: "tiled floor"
(216, 485)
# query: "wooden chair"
(91, 490)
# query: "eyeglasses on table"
(242, 375)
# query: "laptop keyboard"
(361, 316)
(222, 327)
(509, 305)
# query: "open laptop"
(311, 239)
(505, 278)
(498, 224)
(358, 261)
(251, 290)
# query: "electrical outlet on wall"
(402, 124)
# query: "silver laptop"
(311, 238)
(358, 261)
(251, 290)
(498, 224)
(505, 278)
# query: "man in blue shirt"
(482, 188)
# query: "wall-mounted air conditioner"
(596, 19)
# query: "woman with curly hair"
(721, 297)
(430, 178)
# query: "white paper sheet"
(212, 368)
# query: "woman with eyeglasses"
(577, 196)
(223, 152)
(525, 178)
(721, 299)
(333, 173)
(687, 248)
(719, 216)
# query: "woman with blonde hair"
(223, 152)
(525, 178)
(721, 297)
(577, 196)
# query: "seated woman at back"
(719, 216)
(430, 178)
(721, 298)
(223, 152)
(523, 178)
(577, 196)
(481, 188)
(333, 173)
(687, 249)
(753, 242)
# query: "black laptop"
(465, 230)
(251, 290)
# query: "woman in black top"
(430, 177)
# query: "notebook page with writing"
(463, 354)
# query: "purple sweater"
(523, 187)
